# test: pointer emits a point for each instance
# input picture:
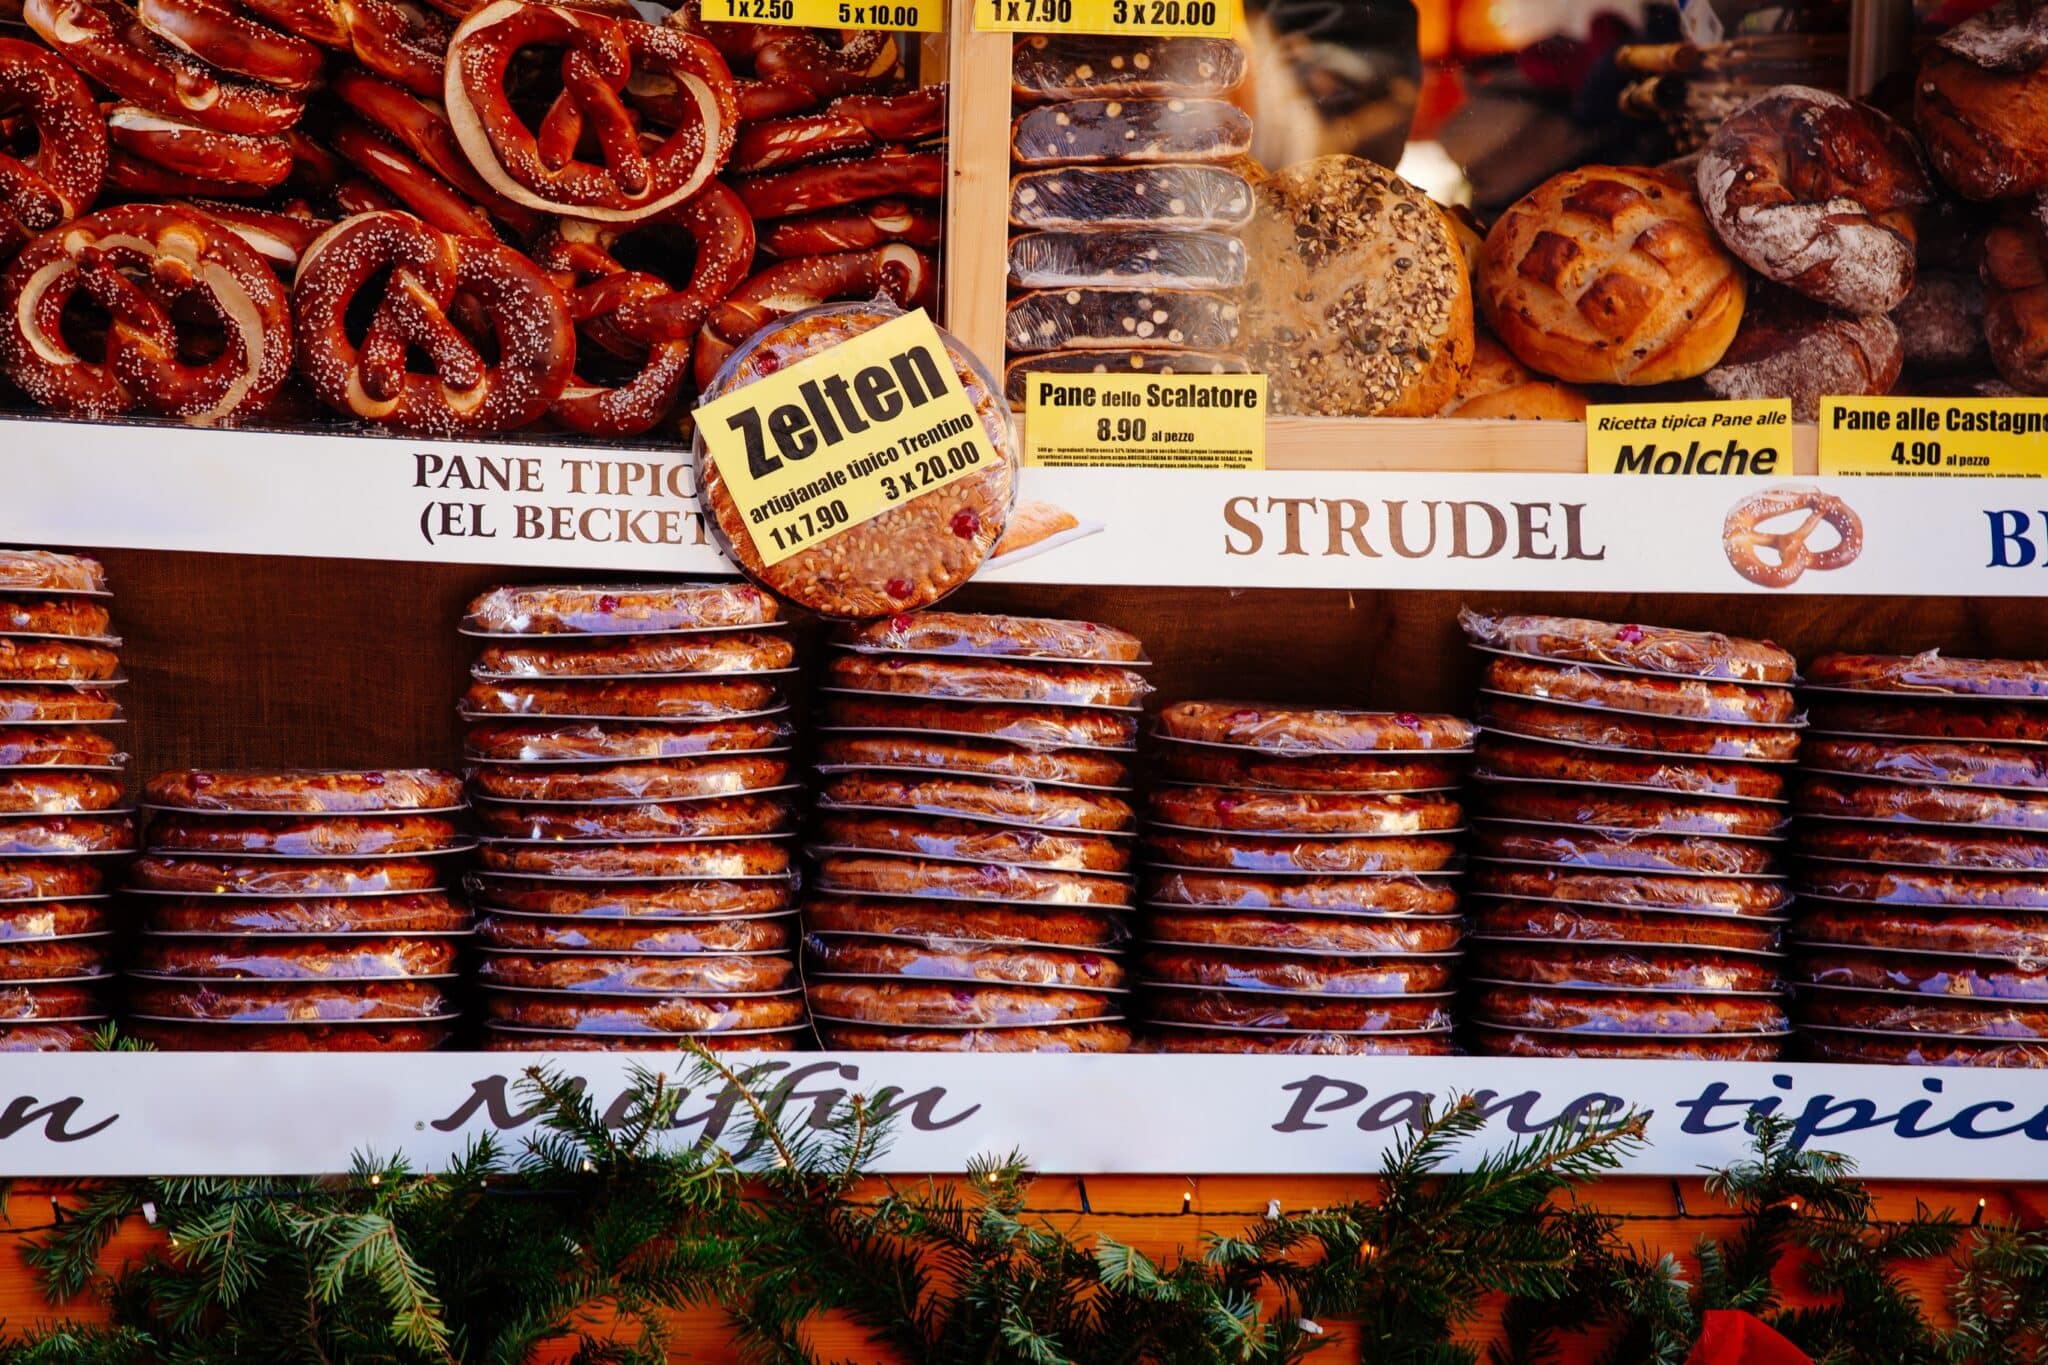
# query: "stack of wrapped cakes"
(1923, 844)
(1300, 884)
(635, 884)
(1126, 205)
(974, 835)
(1627, 896)
(60, 799)
(298, 910)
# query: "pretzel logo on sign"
(1779, 558)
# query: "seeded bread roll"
(927, 920)
(75, 616)
(600, 740)
(1312, 773)
(935, 837)
(1222, 808)
(671, 780)
(58, 792)
(717, 819)
(1679, 698)
(1715, 895)
(56, 661)
(1913, 886)
(308, 791)
(1819, 193)
(973, 758)
(1334, 895)
(1066, 66)
(1304, 933)
(1610, 275)
(1050, 1038)
(330, 838)
(624, 609)
(37, 748)
(1046, 727)
(725, 652)
(976, 798)
(1637, 734)
(429, 912)
(1517, 919)
(1384, 1013)
(1288, 854)
(912, 1003)
(294, 959)
(46, 704)
(1303, 730)
(1616, 1012)
(645, 900)
(1510, 758)
(1088, 198)
(1361, 306)
(985, 680)
(1629, 850)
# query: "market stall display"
(298, 910)
(1627, 890)
(63, 824)
(636, 879)
(974, 835)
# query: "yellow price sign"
(916, 16)
(841, 437)
(1985, 437)
(1146, 421)
(1739, 437)
(1132, 18)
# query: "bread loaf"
(1981, 102)
(1788, 347)
(2015, 273)
(1361, 306)
(1610, 275)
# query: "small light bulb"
(376, 1179)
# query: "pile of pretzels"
(457, 220)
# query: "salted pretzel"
(915, 222)
(833, 184)
(60, 178)
(147, 266)
(639, 317)
(220, 34)
(408, 186)
(1743, 536)
(542, 167)
(108, 44)
(852, 124)
(429, 272)
(279, 237)
(438, 172)
(903, 273)
(131, 176)
(197, 153)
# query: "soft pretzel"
(905, 274)
(1743, 536)
(196, 152)
(401, 182)
(541, 167)
(858, 227)
(62, 176)
(144, 264)
(420, 128)
(468, 392)
(818, 185)
(279, 237)
(108, 44)
(853, 124)
(220, 34)
(135, 178)
(641, 316)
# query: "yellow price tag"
(1146, 421)
(915, 16)
(841, 437)
(1739, 437)
(1134, 18)
(1986, 437)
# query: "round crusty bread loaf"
(1500, 386)
(1790, 347)
(2015, 270)
(1981, 102)
(1819, 193)
(1610, 275)
(1360, 306)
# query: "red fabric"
(1734, 1338)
